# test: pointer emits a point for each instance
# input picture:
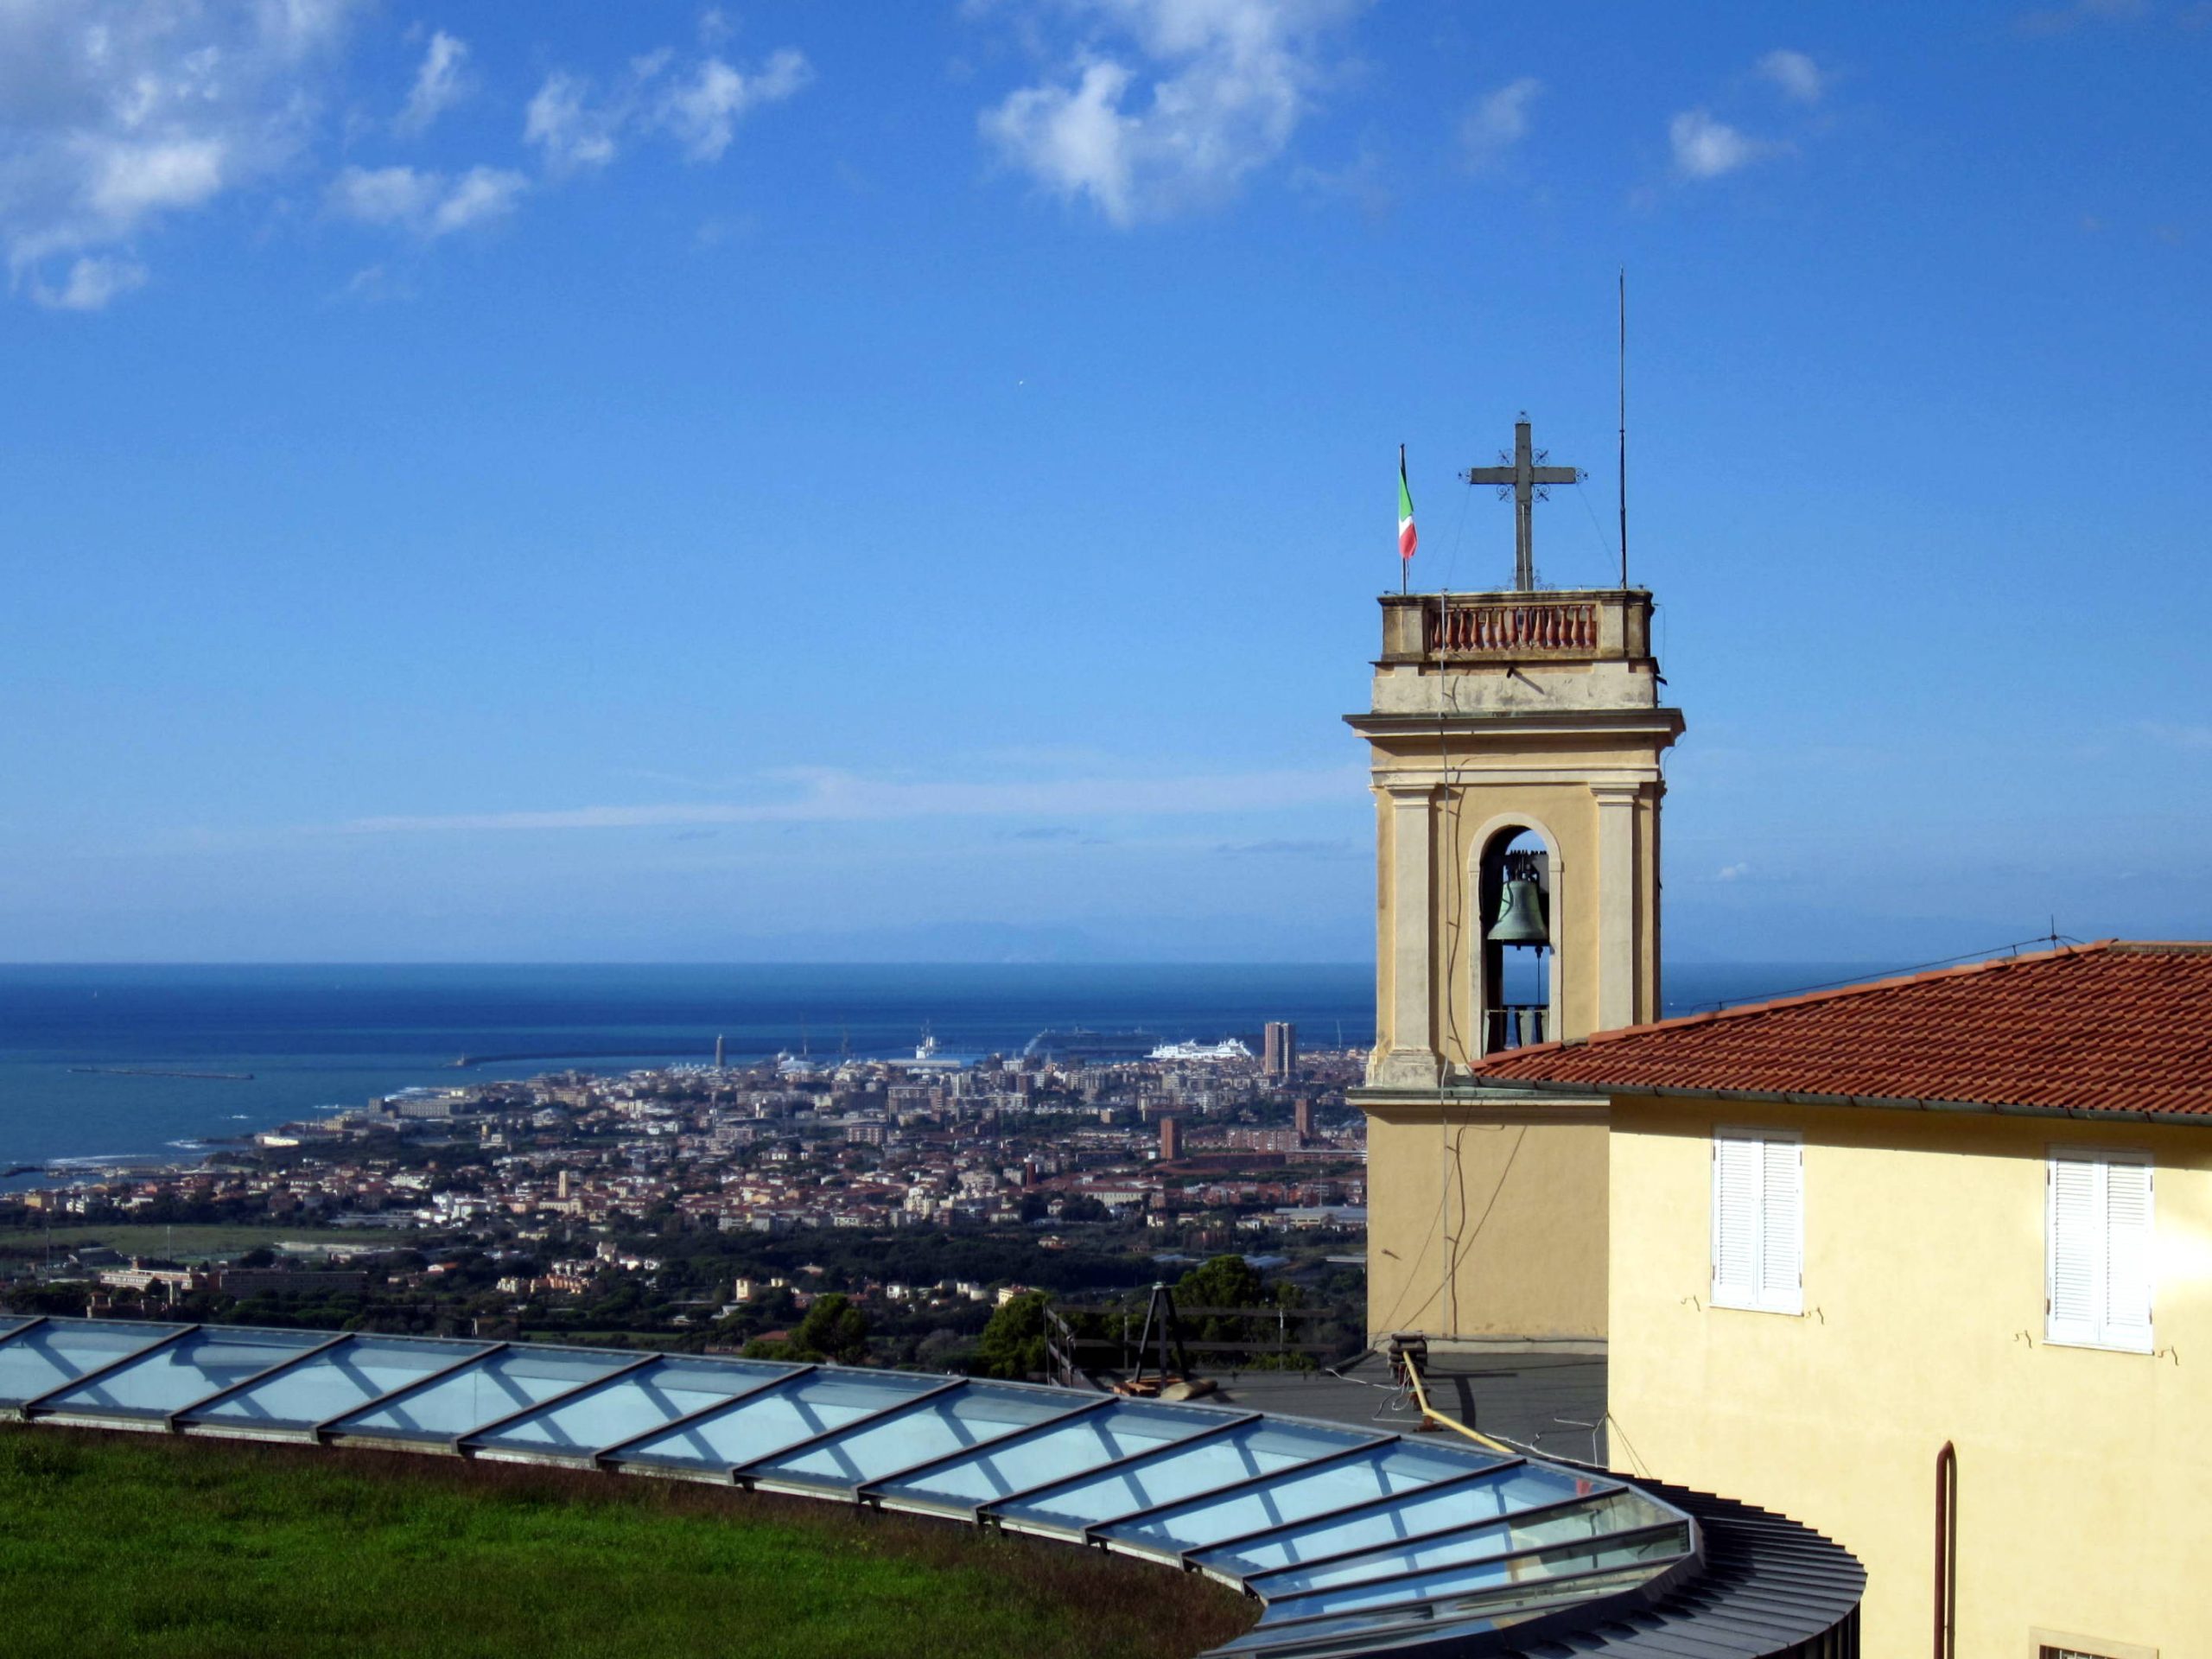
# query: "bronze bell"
(1521, 915)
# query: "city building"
(1171, 1139)
(1924, 1264)
(1279, 1049)
(1515, 738)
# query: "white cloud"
(1162, 105)
(704, 112)
(383, 195)
(575, 129)
(827, 795)
(481, 193)
(130, 179)
(1497, 122)
(1705, 148)
(1731, 872)
(1797, 75)
(93, 280)
(441, 83)
(114, 114)
(428, 204)
(571, 134)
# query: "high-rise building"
(1171, 1139)
(718, 1054)
(1302, 1120)
(1279, 1049)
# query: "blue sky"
(582, 481)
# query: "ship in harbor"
(1229, 1048)
(930, 1057)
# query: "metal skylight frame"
(1353, 1511)
(611, 1456)
(1330, 1447)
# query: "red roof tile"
(2110, 1026)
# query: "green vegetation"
(833, 1329)
(1013, 1343)
(185, 1241)
(195, 1549)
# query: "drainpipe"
(1947, 1552)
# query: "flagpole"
(1405, 564)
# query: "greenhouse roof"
(1356, 1541)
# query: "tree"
(1229, 1281)
(1224, 1281)
(1013, 1343)
(833, 1329)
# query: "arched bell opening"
(1517, 991)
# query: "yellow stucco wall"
(2085, 1477)
(1489, 1223)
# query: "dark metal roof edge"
(1870, 1103)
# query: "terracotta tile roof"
(2103, 1028)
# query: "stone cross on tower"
(1527, 478)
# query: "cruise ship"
(1229, 1048)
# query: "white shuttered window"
(2098, 1277)
(1758, 1220)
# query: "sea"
(106, 1066)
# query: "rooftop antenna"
(1623, 383)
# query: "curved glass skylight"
(1354, 1539)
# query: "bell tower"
(1516, 739)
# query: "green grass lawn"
(119, 1543)
(186, 1242)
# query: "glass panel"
(629, 1405)
(754, 1428)
(1254, 1449)
(1385, 1627)
(1484, 1575)
(1389, 1468)
(972, 1416)
(512, 1380)
(1602, 1515)
(209, 1359)
(60, 1350)
(334, 1382)
(1120, 1431)
(11, 1322)
(1521, 1487)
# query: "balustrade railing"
(1516, 1025)
(1566, 627)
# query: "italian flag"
(1407, 537)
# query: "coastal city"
(711, 1205)
(1113, 828)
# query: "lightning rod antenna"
(1623, 473)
